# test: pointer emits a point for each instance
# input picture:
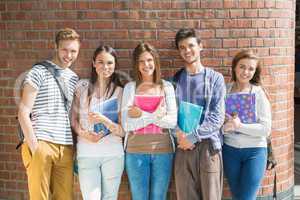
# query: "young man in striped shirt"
(47, 152)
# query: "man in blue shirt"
(198, 160)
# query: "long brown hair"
(114, 79)
(247, 54)
(138, 51)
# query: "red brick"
(102, 25)
(134, 4)
(178, 5)
(26, 5)
(212, 23)
(283, 4)
(236, 13)
(207, 34)
(82, 5)
(2, 7)
(263, 33)
(212, 43)
(162, 14)
(270, 4)
(251, 13)
(237, 33)
(282, 42)
(230, 4)
(257, 4)
(142, 34)
(263, 13)
(229, 43)
(176, 15)
(156, 5)
(53, 5)
(222, 33)
(220, 53)
(129, 24)
(244, 4)
(222, 14)
(211, 4)
(230, 23)
(99, 15)
(149, 25)
(103, 5)
(83, 25)
(166, 34)
(258, 23)
(68, 5)
(118, 34)
(270, 23)
(12, 6)
(244, 23)
(242, 43)
(192, 4)
(196, 14)
(262, 52)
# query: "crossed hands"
(232, 123)
(183, 142)
(92, 136)
(136, 112)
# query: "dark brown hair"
(138, 51)
(185, 33)
(66, 34)
(114, 79)
(247, 54)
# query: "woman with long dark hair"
(100, 153)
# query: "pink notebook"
(148, 103)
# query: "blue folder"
(109, 109)
(189, 116)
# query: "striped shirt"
(50, 120)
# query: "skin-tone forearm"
(183, 142)
(25, 107)
(115, 128)
(89, 135)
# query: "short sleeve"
(35, 77)
(81, 87)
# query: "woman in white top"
(100, 155)
(148, 112)
(245, 144)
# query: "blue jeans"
(149, 175)
(244, 169)
(100, 177)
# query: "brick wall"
(28, 28)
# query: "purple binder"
(243, 104)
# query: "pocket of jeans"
(210, 160)
(27, 156)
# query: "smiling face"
(104, 64)
(189, 50)
(245, 70)
(146, 65)
(67, 52)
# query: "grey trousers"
(199, 173)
